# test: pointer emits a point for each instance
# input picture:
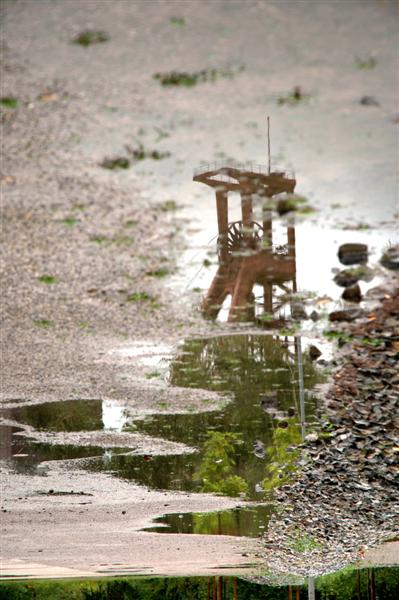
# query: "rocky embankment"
(345, 498)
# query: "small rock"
(349, 314)
(350, 254)
(311, 437)
(369, 101)
(314, 352)
(259, 449)
(346, 278)
(298, 312)
(352, 293)
(314, 315)
(349, 277)
(390, 258)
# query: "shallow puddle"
(25, 455)
(249, 521)
(70, 415)
(245, 449)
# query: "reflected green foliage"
(250, 521)
(217, 464)
(282, 457)
(71, 415)
(178, 588)
(348, 584)
(353, 584)
(260, 373)
(302, 542)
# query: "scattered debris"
(295, 97)
(177, 21)
(365, 63)
(118, 162)
(185, 79)
(348, 314)
(140, 153)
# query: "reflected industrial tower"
(246, 253)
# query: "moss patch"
(89, 37)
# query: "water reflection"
(354, 584)
(247, 254)
(71, 415)
(25, 455)
(248, 521)
(246, 448)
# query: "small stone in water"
(352, 293)
(314, 352)
(350, 254)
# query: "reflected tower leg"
(223, 223)
(246, 210)
(241, 294)
(291, 249)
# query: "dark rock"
(352, 293)
(349, 314)
(349, 277)
(314, 315)
(346, 278)
(350, 254)
(314, 352)
(369, 101)
(390, 258)
(298, 312)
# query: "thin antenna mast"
(268, 142)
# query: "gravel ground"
(81, 244)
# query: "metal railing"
(243, 166)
